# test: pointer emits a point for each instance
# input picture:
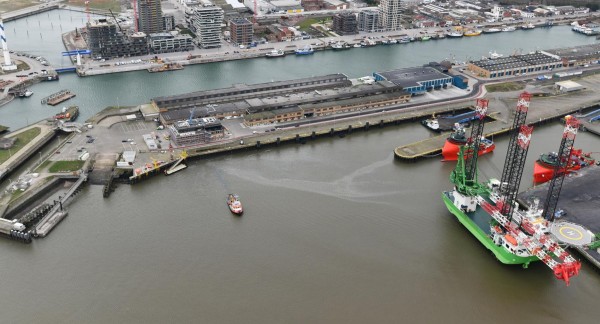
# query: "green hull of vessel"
(501, 254)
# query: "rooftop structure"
(579, 55)
(415, 80)
(243, 91)
(515, 65)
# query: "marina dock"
(580, 199)
(56, 98)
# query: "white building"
(206, 22)
(389, 14)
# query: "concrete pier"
(541, 110)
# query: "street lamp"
(40, 153)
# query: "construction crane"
(472, 152)
(135, 14)
(518, 146)
(255, 12)
(115, 18)
(560, 169)
(87, 10)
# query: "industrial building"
(577, 56)
(105, 41)
(368, 21)
(168, 43)
(195, 131)
(515, 65)
(245, 91)
(264, 111)
(390, 14)
(241, 31)
(416, 80)
(205, 21)
(345, 24)
(150, 18)
(286, 100)
(568, 86)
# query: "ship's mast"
(558, 175)
(515, 158)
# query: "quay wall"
(10, 16)
(26, 154)
(31, 197)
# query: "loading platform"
(56, 98)
(580, 199)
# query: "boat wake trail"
(360, 185)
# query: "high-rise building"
(206, 23)
(389, 14)
(241, 31)
(368, 21)
(345, 24)
(105, 41)
(150, 19)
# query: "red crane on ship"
(514, 164)
(528, 228)
(560, 169)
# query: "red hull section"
(450, 150)
(543, 173)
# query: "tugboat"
(458, 139)
(543, 168)
(235, 205)
(68, 114)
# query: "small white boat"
(25, 93)
(275, 53)
(509, 29)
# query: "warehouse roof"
(410, 77)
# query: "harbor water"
(334, 231)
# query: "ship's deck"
(579, 198)
(480, 217)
